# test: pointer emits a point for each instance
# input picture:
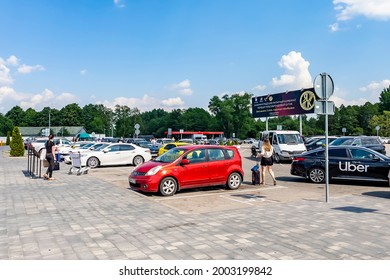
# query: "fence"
(34, 163)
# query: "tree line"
(230, 114)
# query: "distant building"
(57, 131)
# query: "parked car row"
(371, 142)
(181, 165)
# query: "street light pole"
(49, 121)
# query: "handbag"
(45, 163)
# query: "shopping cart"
(76, 164)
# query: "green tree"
(16, 115)
(223, 111)
(8, 140)
(30, 117)
(97, 118)
(383, 121)
(195, 119)
(124, 120)
(16, 145)
(6, 125)
(349, 118)
(70, 115)
(384, 100)
(240, 103)
(365, 114)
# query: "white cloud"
(7, 93)
(260, 87)
(338, 101)
(173, 102)
(297, 72)
(8, 97)
(371, 94)
(334, 27)
(119, 3)
(184, 87)
(26, 69)
(375, 86)
(47, 98)
(13, 60)
(146, 103)
(83, 72)
(373, 9)
(5, 77)
(374, 89)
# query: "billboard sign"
(288, 103)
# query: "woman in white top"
(266, 161)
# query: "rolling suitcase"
(255, 175)
(56, 165)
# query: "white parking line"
(248, 201)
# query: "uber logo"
(352, 167)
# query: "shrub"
(8, 141)
(17, 147)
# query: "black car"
(372, 142)
(319, 142)
(345, 162)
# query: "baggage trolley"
(76, 164)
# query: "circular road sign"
(137, 126)
(323, 80)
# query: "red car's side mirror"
(185, 161)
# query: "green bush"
(8, 141)
(17, 147)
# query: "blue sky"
(180, 53)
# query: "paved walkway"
(82, 217)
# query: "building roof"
(57, 130)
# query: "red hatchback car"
(189, 167)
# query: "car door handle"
(355, 162)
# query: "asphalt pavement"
(86, 218)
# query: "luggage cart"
(76, 165)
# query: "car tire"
(93, 162)
(234, 181)
(316, 175)
(276, 158)
(137, 160)
(168, 186)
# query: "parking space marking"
(249, 201)
(219, 193)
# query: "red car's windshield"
(171, 155)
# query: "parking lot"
(96, 216)
(289, 188)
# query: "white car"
(116, 154)
(60, 143)
(85, 149)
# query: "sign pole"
(324, 94)
(300, 124)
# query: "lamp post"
(49, 122)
